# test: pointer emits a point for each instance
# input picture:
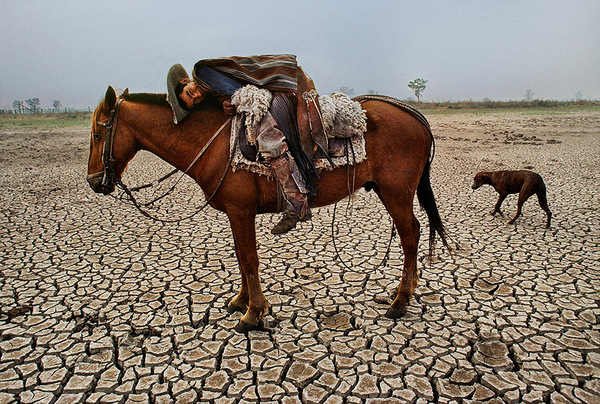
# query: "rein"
(139, 207)
(347, 148)
(108, 163)
(175, 170)
(337, 253)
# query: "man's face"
(192, 95)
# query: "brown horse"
(398, 148)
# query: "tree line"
(418, 86)
(33, 106)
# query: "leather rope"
(175, 171)
(134, 201)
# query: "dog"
(523, 182)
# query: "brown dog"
(523, 182)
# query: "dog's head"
(480, 179)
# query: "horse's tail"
(428, 204)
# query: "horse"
(399, 153)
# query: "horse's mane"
(161, 99)
(145, 98)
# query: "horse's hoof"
(396, 313)
(244, 328)
(232, 308)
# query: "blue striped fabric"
(273, 72)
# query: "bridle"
(108, 161)
(109, 178)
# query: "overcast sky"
(71, 50)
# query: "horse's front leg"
(251, 295)
(240, 302)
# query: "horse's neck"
(177, 144)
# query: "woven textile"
(273, 72)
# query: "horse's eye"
(96, 135)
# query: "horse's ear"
(126, 92)
(111, 96)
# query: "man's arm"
(228, 107)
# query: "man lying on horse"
(279, 74)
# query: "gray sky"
(71, 50)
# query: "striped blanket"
(273, 72)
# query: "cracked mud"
(99, 304)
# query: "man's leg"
(296, 201)
(272, 146)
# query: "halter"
(108, 161)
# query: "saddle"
(327, 131)
(309, 118)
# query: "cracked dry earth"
(101, 305)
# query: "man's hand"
(228, 107)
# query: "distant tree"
(578, 96)
(372, 92)
(529, 95)
(418, 86)
(347, 90)
(34, 104)
(17, 104)
(56, 104)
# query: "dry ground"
(99, 304)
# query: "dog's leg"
(544, 204)
(523, 196)
(501, 199)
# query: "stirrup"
(286, 223)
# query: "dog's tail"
(428, 204)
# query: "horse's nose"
(107, 188)
(95, 185)
(95, 182)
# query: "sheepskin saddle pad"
(344, 122)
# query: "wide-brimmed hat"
(176, 73)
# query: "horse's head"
(110, 149)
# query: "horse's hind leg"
(408, 228)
